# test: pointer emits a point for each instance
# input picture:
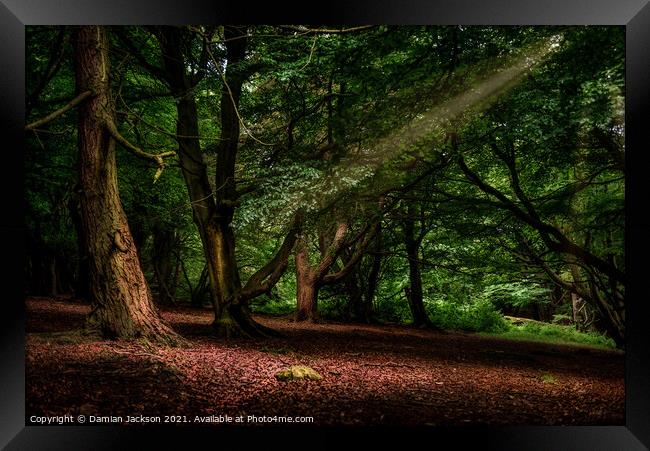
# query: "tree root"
(157, 334)
(236, 322)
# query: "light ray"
(428, 125)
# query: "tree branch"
(157, 158)
(326, 30)
(135, 52)
(351, 263)
(50, 117)
(332, 250)
(509, 160)
(267, 276)
(561, 242)
(53, 66)
(203, 58)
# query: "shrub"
(557, 333)
(479, 316)
(274, 306)
(391, 310)
(561, 318)
(334, 307)
(516, 294)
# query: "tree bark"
(576, 304)
(82, 273)
(414, 293)
(121, 301)
(163, 264)
(373, 279)
(309, 278)
(213, 210)
(306, 286)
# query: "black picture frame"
(633, 14)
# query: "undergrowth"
(480, 316)
(556, 333)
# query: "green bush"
(479, 316)
(516, 294)
(556, 333)
(334, 307)
(273, 306)
(562, 318)
(391, 310)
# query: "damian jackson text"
(124, 419)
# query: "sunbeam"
(427, 126)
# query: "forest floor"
(372, 374)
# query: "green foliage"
(556, 333)
(392, 311)
(330, 123)
(335, 307)
(479, 316)
(516, 294)
(273, 306)
(561, 318)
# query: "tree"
(311, 277)
(121, 300)
(213, 210)
(570, 206)
(266, 121)
(412, 242)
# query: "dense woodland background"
(441, 176)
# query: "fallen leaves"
(392, 375)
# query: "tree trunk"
(354, 289)
(307, 296)
(121, 301)
(414, 293)
(373, 279)
(37, 281)
(52, 277)
(82, 274)
(63, 274)
(306, 287)
(575, 308)
(163, 244)
(612, 321)
(201, 292)
(213, 210)
(176, 273)
(138, 234)
(310, 278)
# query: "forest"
(364, 225)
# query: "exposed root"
(167, 338)
(157, 333)
(236, 322)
